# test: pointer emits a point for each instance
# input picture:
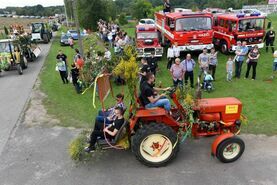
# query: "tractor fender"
(218, 140)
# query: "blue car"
(74, 34)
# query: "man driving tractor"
(149, 96)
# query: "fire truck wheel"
(155, 145)
(229, 150)
(223, 47)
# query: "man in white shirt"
(203, 61)
(107, 55)
(176, 50)
(170, 56)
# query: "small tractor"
(155, 135)
(12, 56)
(41, 32)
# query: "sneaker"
(89, 149)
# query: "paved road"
(14, 92)
(39, 156)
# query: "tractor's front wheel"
(229, 150)
(155, 144)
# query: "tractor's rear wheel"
(229, 150)
(155, 144)
(45, 38)
(24, 63)
(19, 69)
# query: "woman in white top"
(170, 56)
(176, 50)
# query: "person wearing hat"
(253, 57)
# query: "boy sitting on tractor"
(109, 132)
(109, 115)
(149, 96)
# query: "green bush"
(122, 19)
(77, 145)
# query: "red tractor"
(155, 135)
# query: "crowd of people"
(72, 75)
(111, 33)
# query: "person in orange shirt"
(79, 62)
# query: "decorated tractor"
(12, 57)
(155, 135)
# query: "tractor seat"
(120, 134)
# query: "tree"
(122, 19)
(142, 9)
(90, 11)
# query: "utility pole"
(78, 28)
(65, 10)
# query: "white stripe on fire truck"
(224, 34)
(164, 30)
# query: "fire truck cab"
(147, 41)
(230, 28)
(192, 31)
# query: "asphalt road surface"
(39, 156)
(14, 93)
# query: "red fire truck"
(147, 41)
(191, 30)
(230, 28)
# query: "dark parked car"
(64, 40)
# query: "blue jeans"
(165, 103)
(274, 66)
(101, 116)
(238, 65)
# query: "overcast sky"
(21, 3)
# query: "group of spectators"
(184, 70)
(207, 62)
(111, 33)
(75, 72)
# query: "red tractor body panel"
(147, 41)
(230, 28)
(175, 28)
(229, 109)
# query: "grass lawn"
(258, 97)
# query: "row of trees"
(90, 11)
(37, 10)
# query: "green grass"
(258, 97)
(62, 101)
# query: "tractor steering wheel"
(171, 91)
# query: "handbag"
(247, 60)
